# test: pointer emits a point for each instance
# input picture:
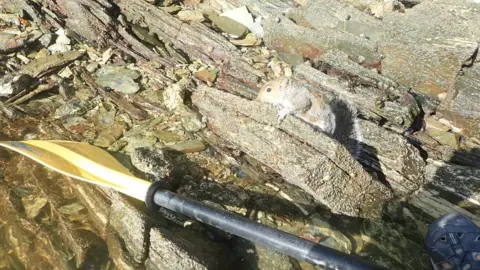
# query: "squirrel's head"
(273, 91)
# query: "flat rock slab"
(38, 67)
(466, 99)
(451, 188)
(259, 8)
(339, 16)
(463, 181)
(285, 36)
(393, 156)
(428, 66)
(424, 52)
(325, 169)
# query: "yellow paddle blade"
(84, 162)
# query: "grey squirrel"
(336, 118)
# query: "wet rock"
(27, 243)
(72, 209)
(139, 141)
(248, 255)
(10, 43)
(182, 248)
(189, 146)
(191, 15)
(77, 125)
(41, 66)
(14, 84)
(74, 212)
(34, 204)
(74, 107)
(152, 161)
(118, 78)
(415, 44)
(139, 129)
(108, 135)
(320, 231)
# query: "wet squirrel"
(336, 118)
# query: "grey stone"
(46, 39)
(14, 84)
(91, 67)
(188, 146)
(119, 82)
(152, 161)
(74, 107)
(192, 123)
(10, 43)
(191, 15)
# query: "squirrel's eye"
(269, 89)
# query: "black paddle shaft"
(280, 241)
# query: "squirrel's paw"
(282, 114)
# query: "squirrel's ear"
(283, 82)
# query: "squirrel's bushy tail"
(347, 129)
